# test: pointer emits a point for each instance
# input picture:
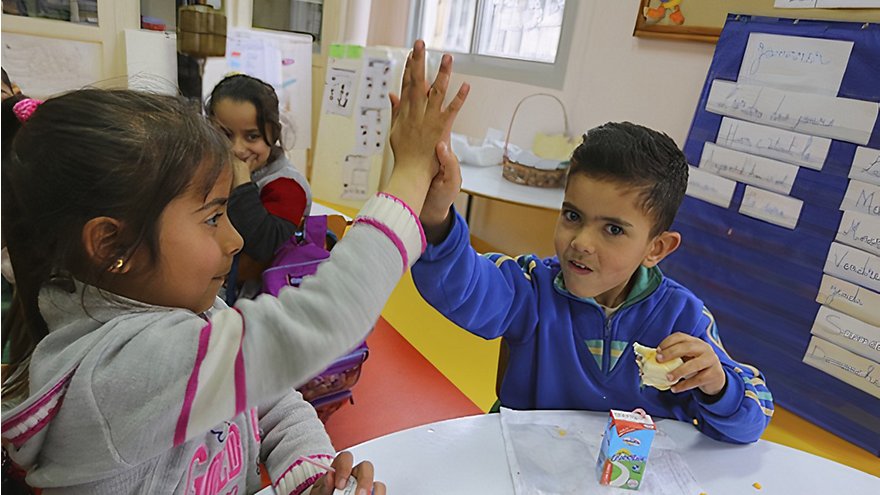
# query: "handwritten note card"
(771, 207)
(861, 197)
(853, 265)
(809, 65)
(827, 116)
(710, 187)
(850, 299)
(778, 144)
(866, 165)
(825, 4)
(847, 332)
(849, 367)
(860, 231)
(755, 170)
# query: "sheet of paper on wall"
(771, 207)
(850, 299)
(860, 231)
(833, 117)
(257, 57)
(866, 165)
(853, 265)
(339, 89)
(808, 65)
(862, 197)
(758, 171)
(844, 365)
(771, 142)
(355, 177)
(710, 187)
(373, 109)
(370, 130)
(850, 333)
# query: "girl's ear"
(101, 237)
(660, 247)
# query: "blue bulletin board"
(761, 280)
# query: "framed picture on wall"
(696, 20)
(702, 20)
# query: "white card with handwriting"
(833, 117)
(866, 166)
(710, 187)
(853, 265)
(809, 65)
(860, 231)
(850, 333)
(771, 207)
(844, 365)
(750, 169)
(862, 197)
(850, 299)
(778, 144)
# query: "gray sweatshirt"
(131, 398)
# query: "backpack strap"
(315, 229)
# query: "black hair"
(244, 88)
(10, 122)
(86, 154)
(636, 156)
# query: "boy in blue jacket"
(570, 321)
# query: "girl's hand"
(701, 369)
(241, 172)
(418, 122)
(363, 472)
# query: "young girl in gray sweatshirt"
(128, 375)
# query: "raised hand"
(435, 216)
(419, 123)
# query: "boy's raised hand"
(419, 121)
(435, 215)
(701, 369)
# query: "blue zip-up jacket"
(564, 352)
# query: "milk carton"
(625, 447)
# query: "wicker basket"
(527, 175)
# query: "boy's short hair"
(636, 156)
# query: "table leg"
(467, 210)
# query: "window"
(519, 40)
(80, 11)
(297, 16)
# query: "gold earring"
(118, 264)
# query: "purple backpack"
(298, 257)
(295, 260)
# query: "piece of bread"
(653, 374)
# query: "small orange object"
(756, 485)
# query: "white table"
(467, 456)
(487, 182)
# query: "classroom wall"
(611, 76)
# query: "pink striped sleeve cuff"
(300, 476)
(398, 222)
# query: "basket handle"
(515, 110)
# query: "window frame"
(544, 74)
